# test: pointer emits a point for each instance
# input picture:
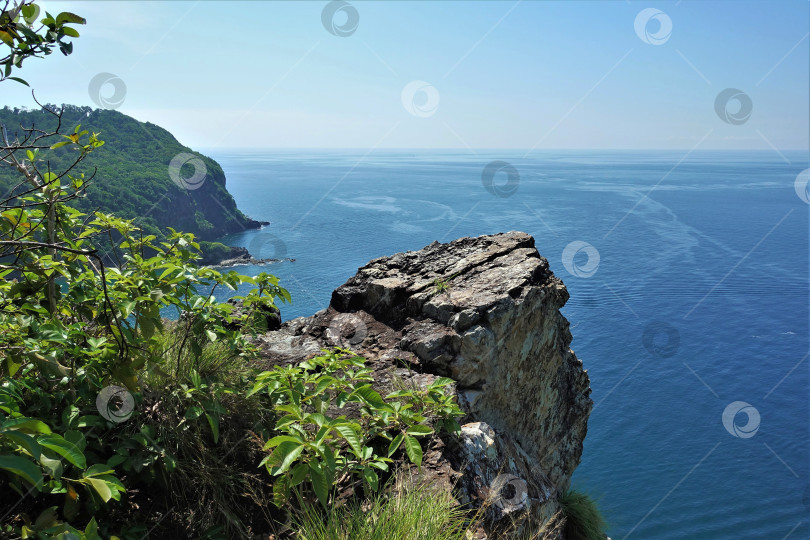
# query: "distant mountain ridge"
(133, 178)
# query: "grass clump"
(414, 514)
(583, 519)
(440, 286)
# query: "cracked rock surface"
(485, 312)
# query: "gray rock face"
(485, 312)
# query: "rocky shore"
(243, 257)
(237, 256)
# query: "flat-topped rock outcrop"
(485, 312)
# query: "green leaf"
(147, 327)
(64, 448)
(27, 425)
(281, 491)
(299, 473)
(195, 378)
(316, 418)
(53, 467)
(275, 441)
(418, 429)
(68, 17)
(126, 308)
(452, 426)
(23, 468)
(29, 12)
(98, 469)
(319, 483)
(372, 478)
(114, 484)
(101, 488)
(19, 80)
(395, 444)
(414, 450)
(68, 31)
(379, 464)
(441, 381)
(69, 416)
(213, 422)
(283, 456)
(95, 343)
(331, 464)
(26, 442)
(369, 396)
(285, 421)
(12, 366)
(350, 434)
(91, 531)
(341, 399)
(319, 437)
(323, 383)
(194, 412)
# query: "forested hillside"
(133, 177)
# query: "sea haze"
(707, 254)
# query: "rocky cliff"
(485, 312)
(142, 172)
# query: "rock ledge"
(485, 312)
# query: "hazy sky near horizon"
(453, 74)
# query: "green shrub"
(319, 444)
(71, 328)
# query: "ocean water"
(698, 300)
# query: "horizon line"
(495, 149)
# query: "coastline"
(215, 253)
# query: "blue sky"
(524, 75)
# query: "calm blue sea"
(705, 255)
